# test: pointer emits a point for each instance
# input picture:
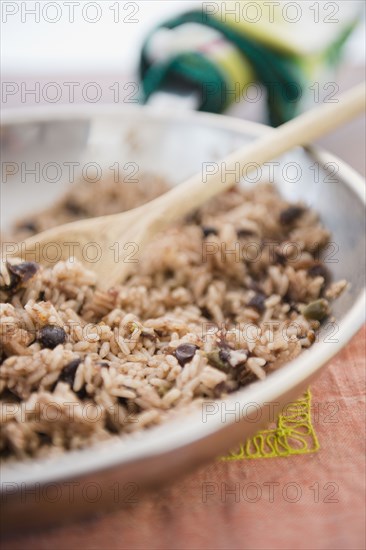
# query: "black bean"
(319, 270)
(242, 233)
(149, 336)
(122, 401)
(28, 226)
(244, 376)
(82, 393)
(218, 359)
(133, 408)
(51, 336)
(25, 270)
(207, 231)
(69, 371)
(228, 356)
(44, 439)
(74, 208)
(288, 300)
(224, 354)
(280, 258)
(184, 353)
(20, 273)
(206, 313)
(193, 217)
(291, 214)
(13, 283)
(220, 388)
(257, 302)
(168, 273)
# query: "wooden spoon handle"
(300, 131)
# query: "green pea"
(316, 310)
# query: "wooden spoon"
(110, 245)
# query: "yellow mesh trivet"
(293, 435)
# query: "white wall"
(40, 48)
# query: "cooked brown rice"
(216, 302)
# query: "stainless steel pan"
(174, 145)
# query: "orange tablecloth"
(313, 501)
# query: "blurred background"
(108, 40)
(77, 43)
